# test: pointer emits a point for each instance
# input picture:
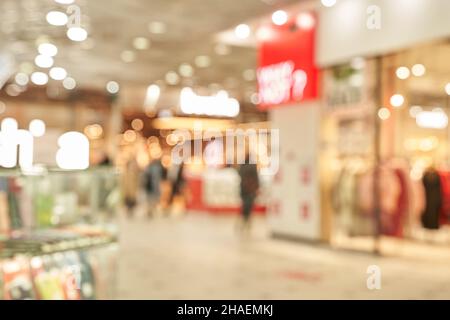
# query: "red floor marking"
(303, 276)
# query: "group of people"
(155, 177)
(159, 185)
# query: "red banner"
(287, 72)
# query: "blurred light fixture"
(202, 61)
(112, 87)
(43, 61)
(186, 70)
(22, 79)
(157, 27)
(57, 18)
(65, 1)
(447, 88)
(218, 105)
(242, 31)
(137, 124)
(264, 33)
(279, 17)
(93, 131)
(130, 136)
(305, 21)
(152, 97)
(402, 73)
(222, 49)
(418, 70)
(77, 34)
(39, 78)
(127, 56)
(328, 3)
(255, 98)
(397, 100)
(37, 127)
(384, 113)
(414, 111)
(432, 119)
(172, 78)
(141, 43)
(47, 49)
(69, 83)
(12, 90)
(58, 73)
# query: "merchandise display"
(61, 242)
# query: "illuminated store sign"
(218, 105)
(287, 72)
(17, 146)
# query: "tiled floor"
(203, 257)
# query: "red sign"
(287, 72)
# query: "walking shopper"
(154, 174)
(249, 190)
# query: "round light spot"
(279, 17)
(37, 127)
(397, 100)
(384, 113)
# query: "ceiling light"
(157, 27)
(152, 96)
(48, 49)
(432, 120)
(37, 128)
(58, 73)
(69, 83)
(65, 1)
(264, 33)
(128, 56)
(397, 100)
(447, 88)
(222, 49)
(402, 73)
(39, 78)
(57, 18)
(112, 87)
(242, 31)
(202, 61)
(141, 43)
(186, 70)
(77, 34)
(305, 21)
(172, 78)
(414, 111)
(418, 70)
(43, 61)
(328, 3)
(279, 17)
(384, 113)
(21, 79)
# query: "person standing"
(249, 189)
(154, 174)
(130, 184)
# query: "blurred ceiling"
(178, 31)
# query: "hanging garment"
(445, 191)
(433, 199)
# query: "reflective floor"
(199, 256)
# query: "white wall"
(299, 147)
(343, 33)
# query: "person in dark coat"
(432, 184)
(249, 188)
